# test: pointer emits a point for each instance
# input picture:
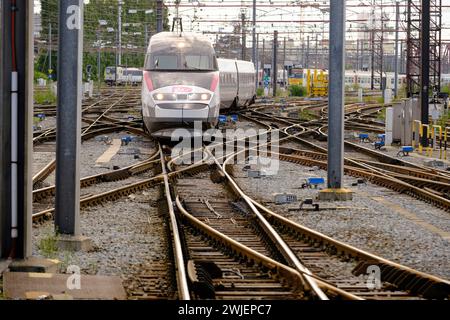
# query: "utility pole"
(68, 134)
(372, 60)
(256, 61)
(159, 16)
(254, 40)
(397, 21)
(336, 102)
(402, 58)
(316, 55)
(284, 62)
(307, 54)
(244, 37)
(275, 60)
(50, 69)
(425, 74)
(146, 35)
(362, 59)
(16, 133)
(357, 55)
(119, 27)
(98, 60)
(303, 55)
(263, 59)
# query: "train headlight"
(165, 97)
(199, 96)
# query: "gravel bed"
(413, 158)
(127, 234)
(364, 222)
(91, 150)
(47, 123)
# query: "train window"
(198, 62)
(163, 62)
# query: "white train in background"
(130, 76)
(363, 79)
(184, 82)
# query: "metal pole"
(117, 58)
(372, 61)
(159, 16)
(284, 62)
(362, 57)
(275, 60)
(16, 120)
(316, 54)
(425, 74)
(49, 48)
(303, 55)
(263, 59)
(255, 42)
(98, 61)
(244, 40)
(256, 61)
(397, 21)
(146, 35)
(307, 54)
(119, 27)
(402, 58)
(336, 99)
(68, 135)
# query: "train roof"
(164, 40)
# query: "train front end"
(180, 84)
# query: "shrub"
(297, 91)
(38, 74)
(260, 92)
(44, 97)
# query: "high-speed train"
(184, 82)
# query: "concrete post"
(336, 100)
(335, 189)
(68, 137)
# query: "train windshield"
(110, 70)
(181, 60)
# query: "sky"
(212, 16)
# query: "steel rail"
(180, 267)
(278, 240)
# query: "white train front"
(182, 83)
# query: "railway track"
(230, 218)
(101, 124)
(228, 246)
(385, 174)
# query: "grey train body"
(184, 82)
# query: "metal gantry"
(377, 45)
(414, 37)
